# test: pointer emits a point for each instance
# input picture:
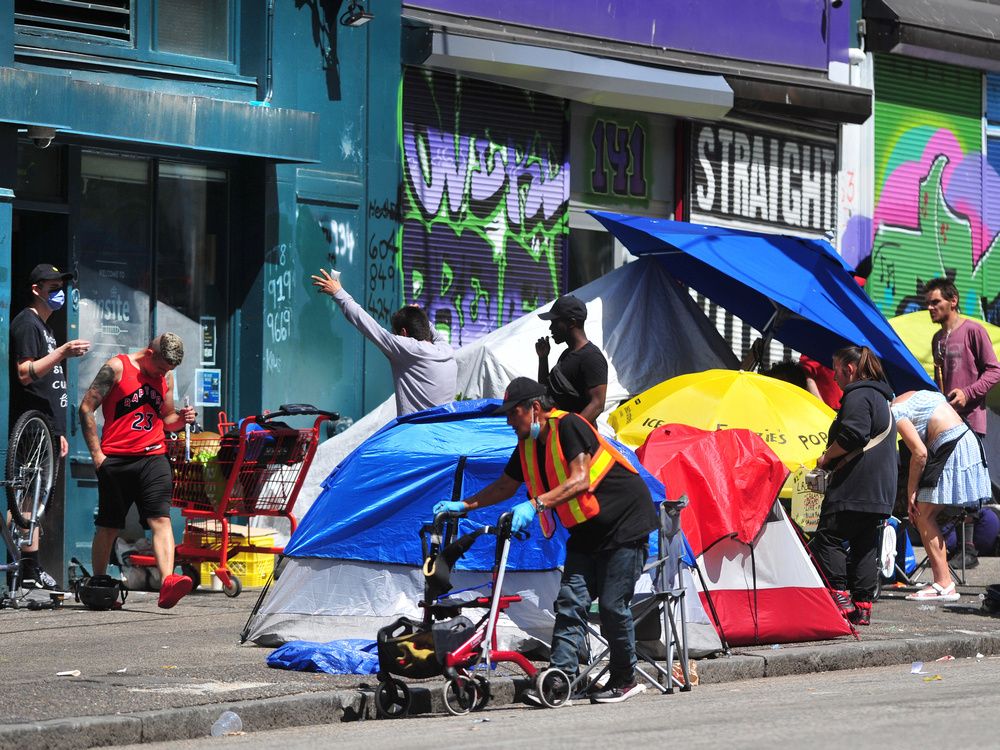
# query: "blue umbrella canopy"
(797, 289)
(375, 501)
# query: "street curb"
(326, 707)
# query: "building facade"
(193, 163)
(518, 118)
(934, 182)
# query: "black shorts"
(146, 481)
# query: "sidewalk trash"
(947, 657)
(980, 656)
(933, 678)
(229, 722)
(123, 670)
(69, 673)
(775, 646)
(917, 668)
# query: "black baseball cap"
(519, 391)
(47, 272)
(566, 307)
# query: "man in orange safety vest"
(572, 473)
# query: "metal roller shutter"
(991, 198)
(928, 208)
(485, 201)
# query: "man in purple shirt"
(965, 364)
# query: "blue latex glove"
(524, 514)
(449, 506)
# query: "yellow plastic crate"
(252, 568)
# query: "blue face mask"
(535, 430)
(56, 299)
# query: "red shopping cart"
(255, 471)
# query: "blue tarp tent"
(373, 504)
(799, 287)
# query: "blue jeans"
(610, 578)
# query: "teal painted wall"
(339, 213)
(288, 343)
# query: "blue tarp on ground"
(373, 504)
(747, 273)
(346, 656)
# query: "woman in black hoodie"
(861, 456)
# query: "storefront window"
(191, 297)
(114, 259)
(135, 249)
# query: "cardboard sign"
(806, 504)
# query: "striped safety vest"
(582, 507)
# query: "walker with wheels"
(446, 642)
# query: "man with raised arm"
(135, 392)
(424, 370)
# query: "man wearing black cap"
(38, 379)
(572, 473)
(579, 380)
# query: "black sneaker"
(843, 601)
(862, 614)
(44, 581)
(33, 577)
(618, 694)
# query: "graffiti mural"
(932, 215)
(485, 201)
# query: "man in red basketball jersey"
(135, 392)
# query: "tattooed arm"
(109, 374)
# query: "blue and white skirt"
(964, 480)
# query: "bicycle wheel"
(31, 468)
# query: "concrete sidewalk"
(152, 675)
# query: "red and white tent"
(760, 579)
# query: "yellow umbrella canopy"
(916, 329)
(792, 421)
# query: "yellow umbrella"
(916, 329)
(791, 420)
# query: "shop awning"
(958, 32)
(581, 77)
(82, 108)
(439, 40)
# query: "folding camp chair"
(960, 516)
(657, 615)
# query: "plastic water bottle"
(229, 722)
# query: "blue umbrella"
(796, 289)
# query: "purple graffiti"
(439, 164)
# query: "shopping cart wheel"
(482, 691)
(234, 588)
(193, 572)
(460, 695)
(552, 685)
(392, 699)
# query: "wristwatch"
(537, 504)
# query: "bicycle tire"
(31, 458)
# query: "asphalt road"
(952, 705)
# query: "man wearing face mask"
(572, 473)
(38, 376)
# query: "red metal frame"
(262, 479)
(466, 655)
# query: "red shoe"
(173, 589)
